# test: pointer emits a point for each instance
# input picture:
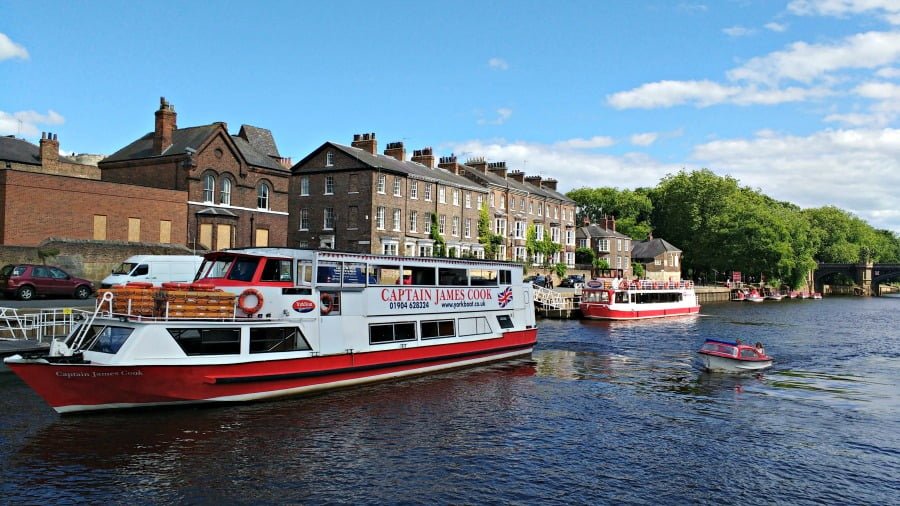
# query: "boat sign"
(303, 305)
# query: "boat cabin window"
(276, 339)
(452, 277)
(244, 268)
(107, 339)
(505, 321)
(392, 332)
(505, 277)
(437, 329)
(747, 353)
(276, 269)
(355, 274)
(328, 273)
(483, 277)
(389, 275)
(214, 341)
(621, 297)
(304, 272)
(474, 326)
(216, 268)
(419, 275)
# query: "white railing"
(550, 298)
(42, 326)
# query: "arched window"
(209, 188)
(262, 196)
(225, 196)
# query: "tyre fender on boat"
(327, 303)
(242, 301)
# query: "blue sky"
(797, 98)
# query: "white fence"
(42, 325)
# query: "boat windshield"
(124, 268)
(217, 267)
(715, 347)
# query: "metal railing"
(42, 326)
(550, 298)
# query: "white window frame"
(329, 185)
(304, 186)
(398, 187)
(414, 190)
(379, 186)
(328, 217)
(209, 188)
(262, 196)
(379, 218)
(304, 218)
(397, 217)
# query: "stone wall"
(87, 259)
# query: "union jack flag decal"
(505, 297)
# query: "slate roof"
(193, 138)
(651, 248)
(261, 139)
(416, 170)
(598, 231)
(22, 151)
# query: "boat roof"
(333, 255)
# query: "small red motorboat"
(732, 356)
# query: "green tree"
(585, 256)
(440, 245)
(631, 208)
(486, 235)
(638, 269)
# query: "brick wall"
(39, 206)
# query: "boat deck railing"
(644, 284)
(42, 325)
(551, 299)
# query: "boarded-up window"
(134, 229)
(165, 231)
(262, 237)
(205, 239)
(223, 236)
(99, 227)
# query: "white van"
(156, 269)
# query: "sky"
(799, 99)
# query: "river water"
(602, 413)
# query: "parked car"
(25, 281)
(538, 279)
(572, 281)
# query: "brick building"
(236, 185)
(353, 199)
(44, 195)
(660, 259)
(517, 201)
(609, 245)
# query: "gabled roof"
(261, 139)
(392, 165)
(193, 138)
(551, 193)
(593, 231)
(651, 248)
(491, 178)
(22, 151)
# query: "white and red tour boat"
(268, 322)
(620, 299)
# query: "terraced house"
(351, 198)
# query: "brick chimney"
(534, 180)
(477, 163)
(549, 183)
(498, 168)
(365, 142)
(395, 150)
(517, 175)
(165, 125)
(49, 149)
(450, 163)
(425, 157)
(609, 222)
(585, 220)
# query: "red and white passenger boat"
(269, 322)
(618, 299)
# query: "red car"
(25, 281)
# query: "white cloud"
(644, 139)
(671, 93)
(888, 73)
(738, 31)
(598, 141)
(776, 27)
(503, 114)
(25, 123)
(889, 9)
(807, 62)
(855, 169)
(498, 64)
(9, 49)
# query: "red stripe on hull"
(83, 387)
(602, 312)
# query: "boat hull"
(605, 312)
(715, 363)
(72, 388)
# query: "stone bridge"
(868, 276)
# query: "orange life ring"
(623, 285)
(327, 303)
(243, 298)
